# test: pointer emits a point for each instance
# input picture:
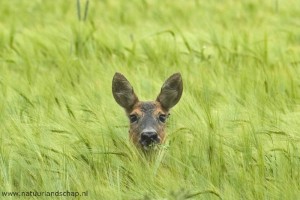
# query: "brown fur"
(134, 137)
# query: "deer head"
(147, 118)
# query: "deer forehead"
(147, 107)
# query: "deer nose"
(149, 136)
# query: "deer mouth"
(149, 143)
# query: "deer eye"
(133, 118)
(162, 118)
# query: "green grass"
(235, 134)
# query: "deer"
(147, 118)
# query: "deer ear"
(123, 92)
(171, 91)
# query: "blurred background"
(233, 135)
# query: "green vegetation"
(235, 134)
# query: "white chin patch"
(146, 148)
(152, 146)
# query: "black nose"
(149, 137)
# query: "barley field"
(235, 134)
